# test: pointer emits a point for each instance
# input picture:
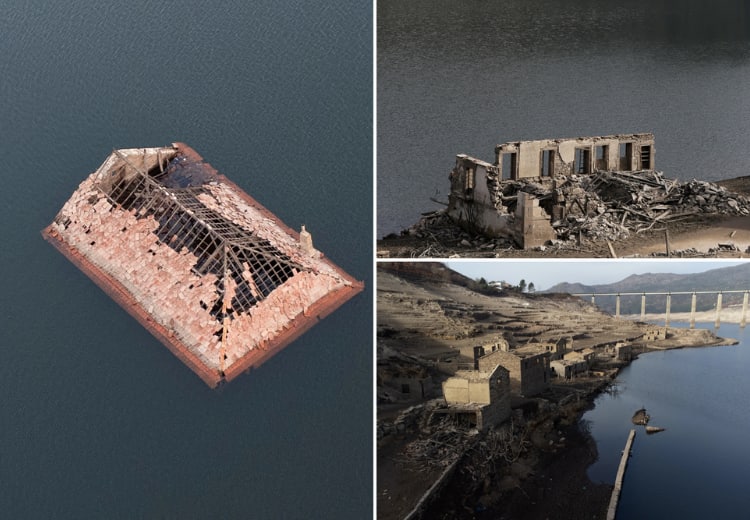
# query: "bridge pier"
(668, 310)
(717, 324)
(692, 312)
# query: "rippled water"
(460, 76)
(97, 418)
(698, 467)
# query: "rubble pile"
(601, 206)
(443, 235)
(636, 202)
(439, 449)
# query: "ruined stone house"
(568, 368)
(528, 367)
(655, 334)
(478, 201)
(208, 270)
(405, 383)
(588, 355)
(623, 351)
(414, 388)
(481, 396)
(558, 348)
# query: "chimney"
(478, 352)
(305, 242)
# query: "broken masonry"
(209, 271)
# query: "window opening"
(601, 157)
(626, 156)
(509, 165)
(548, 163)
(583, 160)
(645, 157)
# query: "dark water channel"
(699, 466)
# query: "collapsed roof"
(208, 270)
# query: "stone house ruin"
(655, 334)
(405, 383)
(528, 366)
(587, 355)
(483, 397)
(480, 198)
(414, 387)
(623, 352)
(558, 349)
(568, 368)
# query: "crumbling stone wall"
(475, 200)
(480, 201)
(532, 223)
(622, 152)
(529, 375)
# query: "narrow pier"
(620, 476)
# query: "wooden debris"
(600, 206)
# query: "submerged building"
(209, 271)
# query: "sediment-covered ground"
(620, 216)
(532, 466)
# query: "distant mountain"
(725, 278)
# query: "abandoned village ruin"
(571, 197)
(480, 199)
(480, 392)
(210, 272)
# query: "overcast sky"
(546, 273)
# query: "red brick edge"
(122, 296)
(299, 325)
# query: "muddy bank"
(548, 481)
(706, 228)
(728, 315)
(531, 465)
(548, 478)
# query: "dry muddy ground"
(426, 321)
(691, 238)
(696, 236)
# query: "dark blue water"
(97, 418)
(699, 467)
(460, 76)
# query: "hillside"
(427, 316)
(429, 320)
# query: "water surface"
(97, 418)
(460, 76)
(698, 467)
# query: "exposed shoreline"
(571, 472)
(557, 484)
(728, 315)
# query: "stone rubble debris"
(597, 207)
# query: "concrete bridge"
(644, 295)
